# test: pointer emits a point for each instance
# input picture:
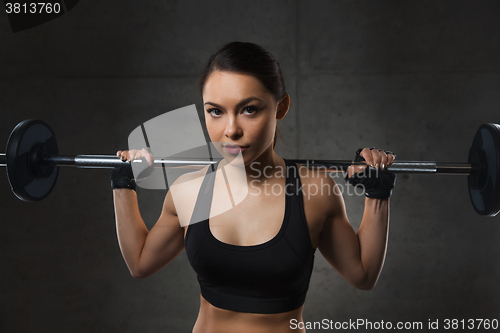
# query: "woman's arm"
(358, 257)
(145, 252)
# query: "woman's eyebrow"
(243, 102)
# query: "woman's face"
(240, 113)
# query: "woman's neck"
(267, 165)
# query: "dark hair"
(248, 58)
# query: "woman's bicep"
(339, 244)
(164, 242)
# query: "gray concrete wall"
(416, 77)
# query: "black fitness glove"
(122, 177)
(376, 184)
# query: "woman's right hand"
(133, 154)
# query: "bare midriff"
(215, 320)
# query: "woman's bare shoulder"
(315, 176)
(183, 193)
(192, 175)
(319, 187)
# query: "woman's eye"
(215, 112)
(250, 109)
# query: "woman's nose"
(233, 130)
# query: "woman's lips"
(233, 149)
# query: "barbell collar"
(3, 160)
(455, 168)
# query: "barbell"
(32, 161)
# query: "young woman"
(254, 261)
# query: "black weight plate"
(484, 182)
(26, 138)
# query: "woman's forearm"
(130, 228)
(372, 235)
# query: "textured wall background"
(416, 77)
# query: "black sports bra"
(271, 277)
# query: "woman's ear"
(283, 107)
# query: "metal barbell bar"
(111, 161)
(32, 163)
